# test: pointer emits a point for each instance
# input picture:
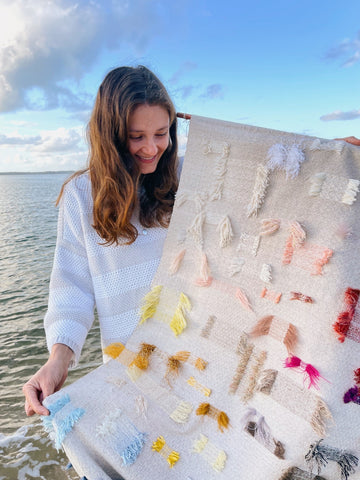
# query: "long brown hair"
(117, 185)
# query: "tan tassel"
(262, 327)
(291, 338)
(195, 228)
(319, 416)
(269, 226)
(172, 369)
(174, 267)
(266, 381)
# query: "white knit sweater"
(86, 274)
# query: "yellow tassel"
(203, 409)
(150, 303)
(178, 322)
(200, 364)
(142, 358)
(219, 463)
(223, 421)
(158, 444)
(173, 458)
(114, 349)
(183, 356)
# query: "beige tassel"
(269, 226)
(226, 232)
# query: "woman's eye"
(135, 138)
(161, 134)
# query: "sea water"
(28, 219)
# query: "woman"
(112, 223)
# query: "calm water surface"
(28, 219)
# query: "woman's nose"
(150, 147)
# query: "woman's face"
(148, 135)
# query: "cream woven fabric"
(260, 262)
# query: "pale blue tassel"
(53, 409)
(65, 426)
(132, 451)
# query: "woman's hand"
(352, 140)
(47, 380)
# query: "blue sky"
(287, 65)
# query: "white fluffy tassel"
(226, 232)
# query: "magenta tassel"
(292, 362)
(310, 373)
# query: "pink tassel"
(310, 373)
(204, 280)
(174, 267)
(240, 295)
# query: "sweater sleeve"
(70, 311)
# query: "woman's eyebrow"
(138, 131)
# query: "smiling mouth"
(146, 160)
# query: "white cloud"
(49, 46)
(19, 140)
(348, 49)
(60, 140)
(339, 115)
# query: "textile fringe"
(175, 265)
(182, 412)
(226, 232)
(282, 331)
(244, 350)
(204, 279)
(352, 395)
(295, 473)
(317, 182)
(236, 265)
(301, 297)
(319, 416)
(319, 455)
(341, 327)
(261, 432)
(201, 388)
(269, 226)
(311, 374)
(195, 228)
(287, 158)
(240, 295)
(142, 358)
(266, 381)
(265, 274)
(114, 349)
(209, 410)
(254, 376)
(179, 320)
(259, 191)
(165, 451)
(150, 303)
(351, 191)
(212, 454)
